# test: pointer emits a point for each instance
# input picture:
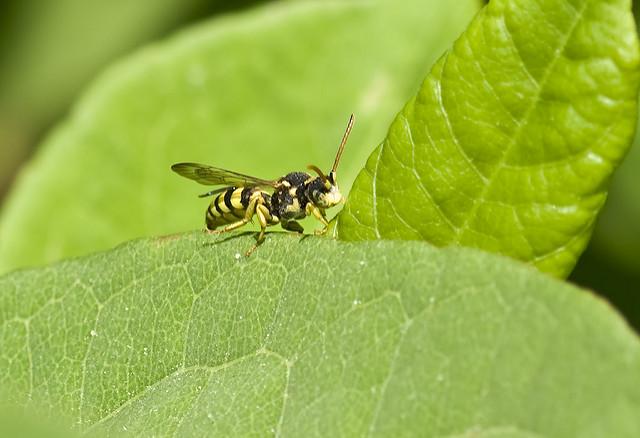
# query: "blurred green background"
(50, 51)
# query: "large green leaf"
(183, 336)
(263, 92)
(512, 138)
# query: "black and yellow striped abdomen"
(231, 205)
(228, 207)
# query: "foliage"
(508, 146)
(512, 139)
(184, 336)
(238, 92)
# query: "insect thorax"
(289, 200)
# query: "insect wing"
(213, 192)
(213, 176)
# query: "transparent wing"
(213, 176)
(213, 192)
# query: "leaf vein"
(423, 188)
(394, 359)
(483, 193)
(374, 197)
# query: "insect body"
(232, 204)
(281, 201)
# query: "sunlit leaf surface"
(510, 142)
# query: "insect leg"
(318, 213)
(263, 213)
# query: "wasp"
(281, 201)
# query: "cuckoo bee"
(281, 201)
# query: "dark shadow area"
(619, 287)
(232, 235)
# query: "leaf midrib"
(459, 231)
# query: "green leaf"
(263, 92)
(510, 142)
(31, 423)
(183, 336)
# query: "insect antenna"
(317, 170)
(342, 144)
(331, 178)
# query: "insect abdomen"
(229, 206)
